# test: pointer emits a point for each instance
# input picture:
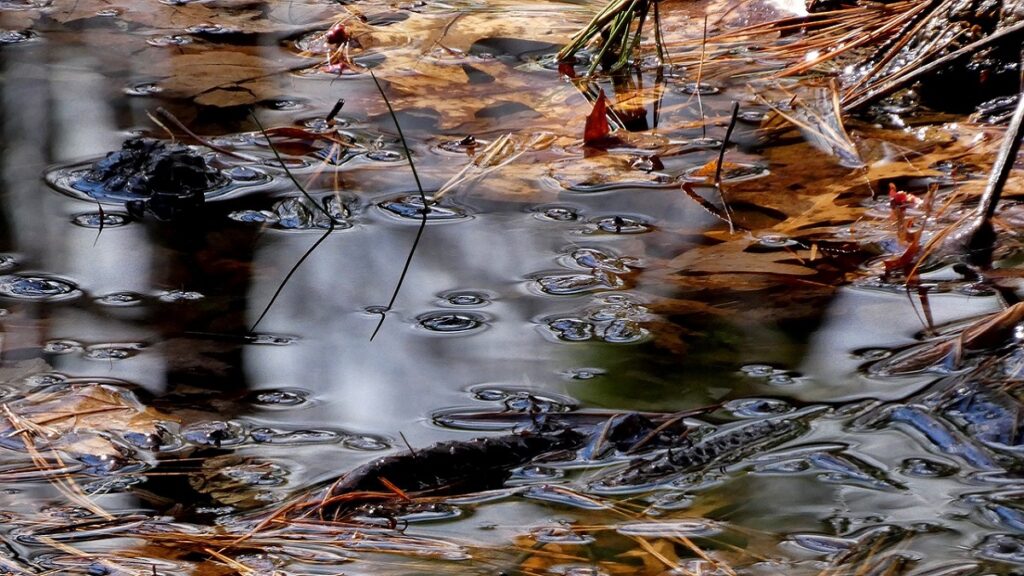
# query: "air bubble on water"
(619, 225)
(284, 104)
(279, 397)
(451, 322)
(571, 329)
(534, 474)
(118, 351)
(365, 442)
(169, 40)
(14, 36)
(246, 174)
(42, 288)
(466, 145)
(623, 331)
(180, 296)
(559, 214)
(703, 88)
(689, 528)
(758, 370)
(751, 116)
(561, 535)
(292, 437)
(1003, 548)
(584, 373)
(213, 29)
(96, 220)
(143, 89)
(559, 495)
(757, 407)
(62, 347)
(385, 156)
(465, 298)
(119, 299)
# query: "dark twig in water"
(307, 253)
(407, 445)
(721, 161)
(423, 215)
(337, 108)
(103, 216)
(700, 75)
(981, 240)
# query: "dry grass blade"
(818, 116)
(63, 481)
(496, 155)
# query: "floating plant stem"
(163, 112)
(423, 216)
(308, 252)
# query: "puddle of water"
(537, 291)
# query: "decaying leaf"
(597, 128)
(82, 419)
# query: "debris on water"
(169, 181)
(467, 145)
(214, 433)
(300, 214)
(410, 207)
(619, 225)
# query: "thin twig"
(308, 252)
(163, 112)
(423, 199)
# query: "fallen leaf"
(597, 128)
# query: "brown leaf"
(597, 128)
